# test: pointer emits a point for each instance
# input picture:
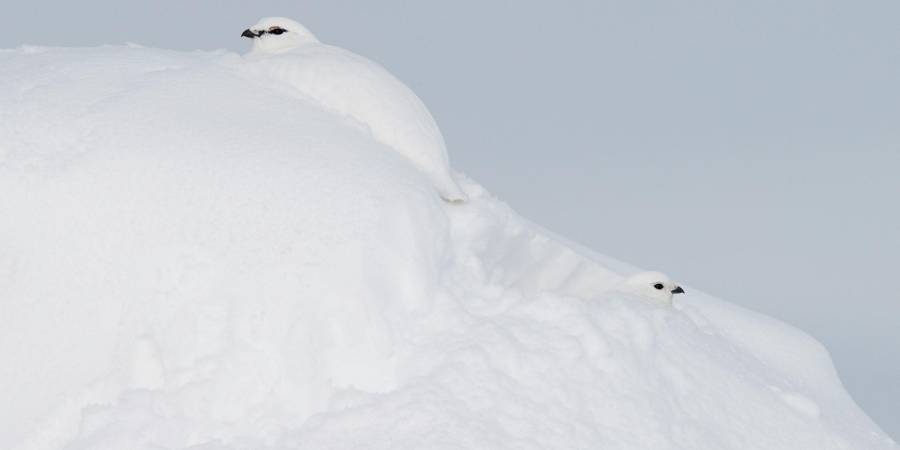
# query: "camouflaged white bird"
(353, 86)
(652, 285)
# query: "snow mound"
(190, 258)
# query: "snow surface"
(190, 258)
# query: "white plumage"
(652, 285)
(351, 85)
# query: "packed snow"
(193, 257)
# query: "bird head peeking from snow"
(278, 34)
(652, 285)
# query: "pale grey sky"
(749, 149)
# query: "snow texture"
(192, 258)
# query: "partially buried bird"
(652, 285)
(353, 86)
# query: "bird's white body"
(353, 86)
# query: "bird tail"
(450, 190)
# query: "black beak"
(678, 290)
(248, 34)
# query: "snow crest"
(190, 258)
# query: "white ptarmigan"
(651, 285)
(353, 86)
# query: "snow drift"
(191, 257)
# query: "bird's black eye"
(277, 30)
(658, 286)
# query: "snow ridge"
(190, 258)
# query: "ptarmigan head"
(652, 285)
(278, 34)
